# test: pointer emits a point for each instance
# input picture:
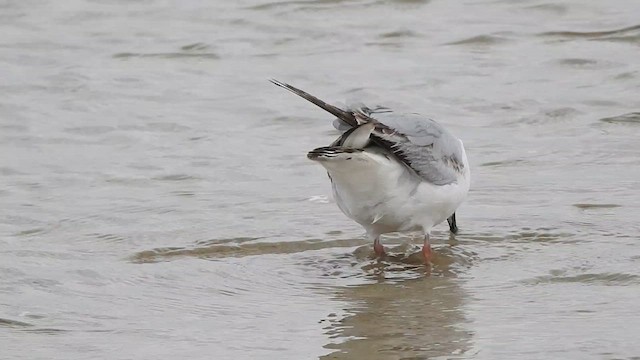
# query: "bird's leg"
(377, 247)
(426, 249)
(453, 227)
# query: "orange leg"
(378, 248)
(426, 250)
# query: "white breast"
(383, 195)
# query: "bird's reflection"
(418, 317)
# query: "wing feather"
(421, 143)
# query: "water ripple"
(626, 34)
(167, 55)
(629, 119)
(603, 279)
(481, 40)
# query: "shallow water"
(157, 201)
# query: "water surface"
(157, 201)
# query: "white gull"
(392, 172)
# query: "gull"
(392, 172)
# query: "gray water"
(156, 201)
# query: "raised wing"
(421, 143)
(346, 117)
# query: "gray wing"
(421, 143)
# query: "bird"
(392, 172)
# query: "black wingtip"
(288, 87)
(278, 83)
(345, 116)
